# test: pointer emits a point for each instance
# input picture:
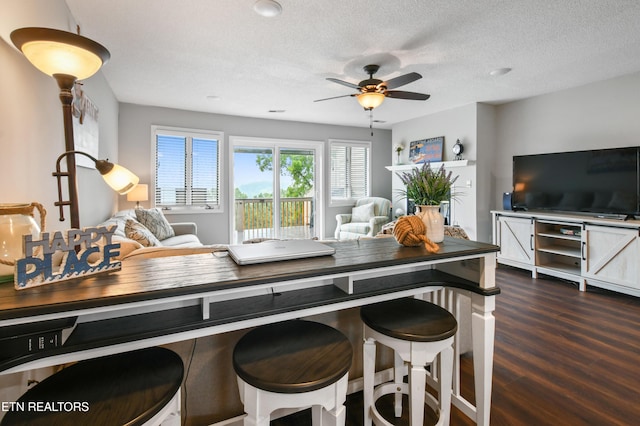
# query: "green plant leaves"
(426, 186)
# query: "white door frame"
(276, 144)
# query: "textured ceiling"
(178, 53)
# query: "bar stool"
(293, 364)
(133, 388)
(417, 331)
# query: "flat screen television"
(598, 182)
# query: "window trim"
(349, 143)
(192, 133)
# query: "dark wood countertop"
(184, 297)
(149, 279)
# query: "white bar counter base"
(160, 301)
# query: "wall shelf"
(434, 165)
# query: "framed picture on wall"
(85, 127)
(426, 150)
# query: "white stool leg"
(253, 408)
(417, 386)
(446, 377)
(398, 373)
(368, 372)
(316, 415)
(335, 417)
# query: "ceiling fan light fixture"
(267, 8)
(370, 100)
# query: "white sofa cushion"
(154, 221)
(186, 240)
(362, 213)
(138, 232)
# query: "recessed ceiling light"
(267, 8)
(500, 71)
(213, 98)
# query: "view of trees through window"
(299, 167)
(257, 206)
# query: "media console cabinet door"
(612, 255)
(515, 238)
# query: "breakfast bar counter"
(165, 300)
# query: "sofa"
(146, 233)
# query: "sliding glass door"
(274, 202)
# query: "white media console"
(600, 252)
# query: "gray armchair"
(365, 220)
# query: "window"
(187, 168)
(350, 163)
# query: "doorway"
(268, 202)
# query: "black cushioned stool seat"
(418, 331)
(123, 389)
(293, 364)
(410, 319)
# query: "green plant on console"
(426, 186)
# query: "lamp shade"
(117, 177)
(60, 52)
(370, 100)
(139, 193)
(120, 179)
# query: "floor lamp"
(67, 57)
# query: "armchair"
(365, 220)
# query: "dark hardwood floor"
(562, 357)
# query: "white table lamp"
(139, 193)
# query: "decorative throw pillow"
(362, 213)
(138, 232)
(154, 221)
(127, 245)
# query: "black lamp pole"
(66, 82)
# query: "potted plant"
(398, 148)
(427, 188)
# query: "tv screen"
(599, 182)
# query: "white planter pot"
(433, 221)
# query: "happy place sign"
(84, 252)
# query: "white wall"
(485, 151)
(31, 129)
(458, 123)
(135, 154)
(32, 137)
(599, 115)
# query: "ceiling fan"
(373, 91)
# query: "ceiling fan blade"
(334, 97)
(344, 83)
(402, 80)
(399, 94)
